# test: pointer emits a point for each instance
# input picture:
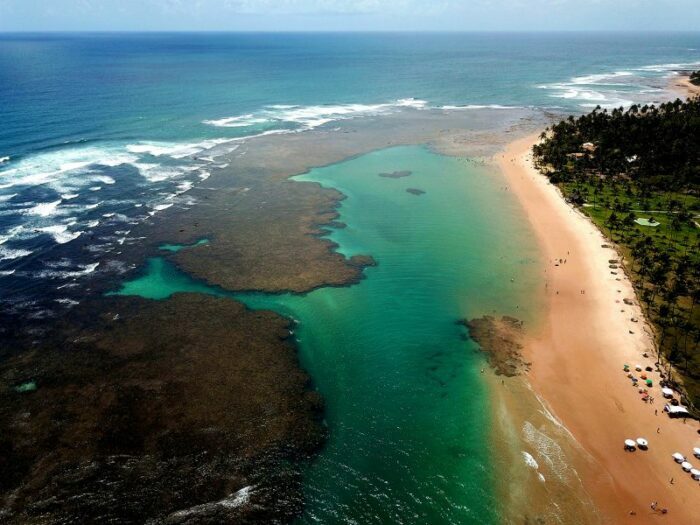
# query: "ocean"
(102, 132)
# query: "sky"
(347, 15)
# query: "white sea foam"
(238, 498)
(62, 166)
(548, 449)
(9, 254)
(60, 233)
(44, 209)
(174, 150)
(68, 302)
(665, 68)
(69, 196)
(616, 88)
(530, 461)
(5, 273)
(5, 198)
(479, 106)
(4, 159)
(310, 117)
(81, 271)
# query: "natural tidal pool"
(407, 407)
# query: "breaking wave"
(638, 85)
(298, 118)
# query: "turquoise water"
(102, 131)
(406, 406)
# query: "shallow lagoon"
(406, 406)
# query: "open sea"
(100, 132)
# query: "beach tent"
(696, 452)
(686, 466)
(678, 457)
(676, 411)
(667, 392)
(643, 443)
(695, 473)
(649, 382)
(630, 444)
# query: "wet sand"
(577, 354)
(683, 87)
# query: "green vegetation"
(622, 167)
(695, 78)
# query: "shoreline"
(577, 355)
(682, 86)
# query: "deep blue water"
(101, 131)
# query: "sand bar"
(577, 356)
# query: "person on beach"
(672, 481)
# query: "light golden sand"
(577, 356)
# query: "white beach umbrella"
(667, 392)
(686, 466)
(638, 368)
(696, 452)
(678, 457)
(643, 443)
(630, 443)
(695, 473)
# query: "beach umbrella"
(649, 382)
(643, 443)
(667, 392)
(686, 466)
(630, 444)
(638, 368)
(678, 457)
(695, 473)
(696, 452)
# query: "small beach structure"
(638, 368)
(642, 443)
(696, 452)
(678, 457)
(630, 444)
(667, 392)
(676, 411)
(686, 466)
(695, 474)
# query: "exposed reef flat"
(265, 230)
(415, 191)
(173, 409)
(396, 174)
(501, 339)
(157, 410)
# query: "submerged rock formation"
(396, 174)
(187, 410)
(501, 339)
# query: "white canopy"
(678, 457)
(696, 452)
(695, 473)
(676, 409)
(686, 466)
(642, 442)
(638, 368)
(630, 443)
(667, 392)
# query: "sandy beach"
(684, 87)
(577, 356)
